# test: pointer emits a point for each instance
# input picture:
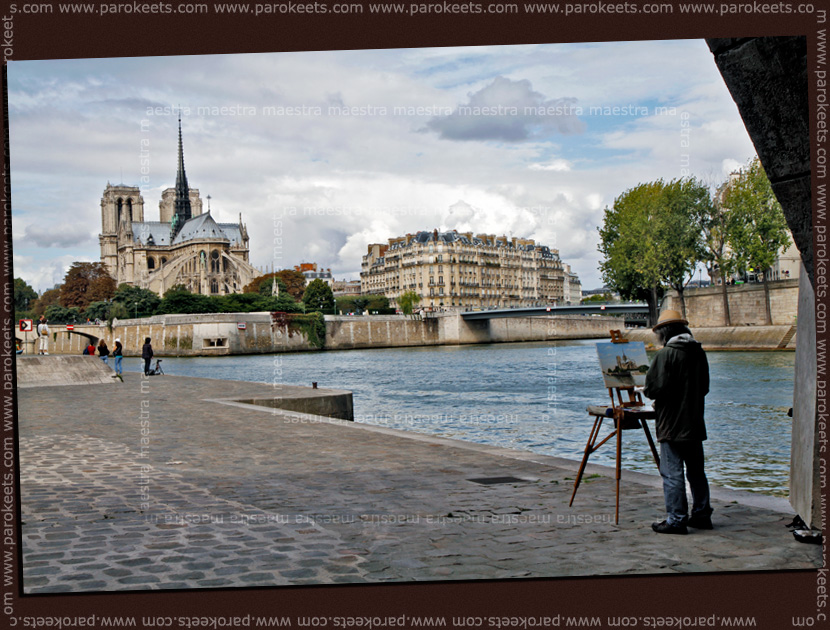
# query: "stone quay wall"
(253, 333)
(704, 307)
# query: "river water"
(532, 396)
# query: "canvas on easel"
(624, 365)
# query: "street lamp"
(135, 310)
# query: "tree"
(679, 232)
(377, 303)
(50, 297)
(715, 229)
(318, 297)
(138, 302)
(346, 304)
(85, 283)
(759, 229)
(282, 303)
(24, 298)
(97, 310)
(288, 280)
(179, 300)
(631, 263)
(599, 298)
(407, 301)
(57, 314)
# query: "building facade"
(459, 270)
(310, 272)
(184, 247)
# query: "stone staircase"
(787, 337)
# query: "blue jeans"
(673, 456)
(104, 359)
(118, 364)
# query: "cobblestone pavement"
(161, 486)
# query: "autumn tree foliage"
(288, 280)
(86, 282)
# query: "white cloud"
(360, 179)
(553, 165)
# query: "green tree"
(346, 304)
(24, 298)
(759, 229)
(678, 232)
(631, 256)
(97, 310)
(377, 303)
(57, 314)
(599, 298)
(138, 302)
(179, 300)
(717, 255)
(407, 301)
(283, 303)
(85, 283)
(318, 297)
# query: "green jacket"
(677, 382)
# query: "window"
(221, 342)
(151, 263)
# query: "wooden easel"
(627, 414)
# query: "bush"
(179, 300)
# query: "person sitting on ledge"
(677, 382)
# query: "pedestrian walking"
(118, 355)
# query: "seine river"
(532, 396)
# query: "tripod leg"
(589, 448)
(619, 466)
(651, 443)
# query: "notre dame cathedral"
(185, 246)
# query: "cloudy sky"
(337, 150)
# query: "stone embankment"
(731, 338)
(256, 333)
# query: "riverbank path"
(154, 484)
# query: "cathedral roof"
(233, 232)
(143, 231)
(199, 227)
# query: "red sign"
(70, 327)
(26, 325)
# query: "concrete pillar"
(805, 486)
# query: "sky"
(325, 153)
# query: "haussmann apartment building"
(452, 270)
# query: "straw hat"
(669, 316)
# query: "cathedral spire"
(182, 203)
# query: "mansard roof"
(452, 236)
